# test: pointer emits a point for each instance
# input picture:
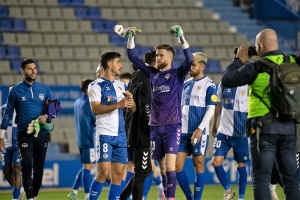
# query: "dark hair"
(126, 75)
(107, 56)
(84, 84)
(25, 62)
(166, 47)
(135, 68)
(150, 57)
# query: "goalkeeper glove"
(126, 32)
(177, 31)
(34, 127)
(47, 127)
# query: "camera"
(251, 51)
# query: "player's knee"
(216, 163)
(199, 167)
(17, 169)
(241, 164)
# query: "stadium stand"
(66, 38)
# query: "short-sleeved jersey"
(10, 137)
(196, 96)
(107, 93)
(234, 110)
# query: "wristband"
(2, 133)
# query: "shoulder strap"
(261, 99)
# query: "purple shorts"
(164, 139)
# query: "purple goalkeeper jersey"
(166, 89)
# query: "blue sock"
(114, 192)
(222, 177)
(199, 186)
(184, 184)
(86, 177)
(157, 180)
(128, 177)
(78, 180)
(96, 188)
(147, 184)
(242, 181)
(16, 193)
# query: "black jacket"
(138, 131)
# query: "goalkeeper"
(166, 91)
(28, 99)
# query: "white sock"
(240, 199)
(75, 191)
(34, 198)
(160, 186)
(272, 186)
(87, 195)
(228, 191)
(31, 199)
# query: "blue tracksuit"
(28, 101)
(85, 122)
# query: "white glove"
(30, 128)
(126, 32)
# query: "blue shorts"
(240, 146)
(130, 154)
(87, 155)
(198, 149)
(10, 156)
(113, 149)
(164, 139)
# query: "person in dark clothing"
(138, 135)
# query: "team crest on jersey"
(226, 101)
(214, 98)
(168, 76)
(92, 94)
(105, 156)
(41, 97)
(198, 88)
(121, 89)
(242, 93)
(108, 98)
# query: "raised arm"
(130, 32)
(185, 67)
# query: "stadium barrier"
(61, 173)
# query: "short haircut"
(25, 62)
(200, 57)
(84, 84)
(166, 47)
(126, 75)
(135, 68)
(107, 56)
(150, 57)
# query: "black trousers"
(32, 152)
(142, 169)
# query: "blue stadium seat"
(143, 50)
(1, 39)
(5, 24)
(213, 66)
(94, 13)
(15, 65)
(81, 13)
(64, 2)
(3, 11)
(176, 63)
(98, 25)
(179, 53)
(76, 2)
(117, 40)
(109, 25)
(19, 25)
(196, 49)
(2, 52)
(13, 52)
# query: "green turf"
(211, 192)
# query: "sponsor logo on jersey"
(168, 76)
(198, 88)
(92, 93)
(105, 156)
(162, 88)
(41, 97)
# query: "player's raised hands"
(126, 32)
(176, 30)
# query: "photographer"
(275, 140)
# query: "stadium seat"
(4, 11)
(42, 12)
(3, 52)
(64, 2)
(76, 39)
(27, 52)
(94, 13)
(13, 52)
(5, 66)
(62, 79)
(23, 39)
(58, 66)
(196, 49)
(15, 12)
(77, 2)
(50, 39)
(63, 39)
(213, 66)
(81, 13)
(55, 13)
(54, 53)
(32, 25)
(48, 79)
(40, 52)
(7, 79)
(98, 25)
(80, 52)
(15, 65)
(46, 26)
(5, 24)
(93, 52)
(107, 13)
(36, 39)
(19, 25)
(28, 12)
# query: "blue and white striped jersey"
(234, 110)
(10, 137)
(195, 97)
(107, 93)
